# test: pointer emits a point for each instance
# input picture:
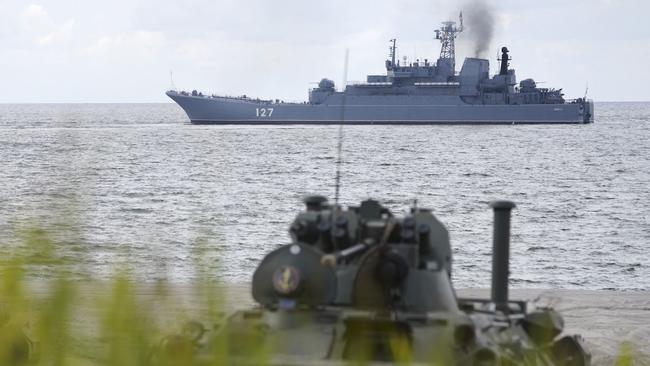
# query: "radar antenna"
(447, 35)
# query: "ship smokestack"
(501, 252)
(504, 61)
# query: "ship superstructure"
(419, 92)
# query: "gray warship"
(420, 92)
(362, 286)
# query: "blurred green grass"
(61, 320)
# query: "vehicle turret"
(379, 260)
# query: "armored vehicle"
(364, 286)
(411, 92)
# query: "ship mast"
(447, 35)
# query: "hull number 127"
(263, 112)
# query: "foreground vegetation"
(61, 320)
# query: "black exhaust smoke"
(480, 20)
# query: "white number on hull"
(263, 112)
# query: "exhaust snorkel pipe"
(501, 252)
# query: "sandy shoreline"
(606, 319)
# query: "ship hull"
(396, 111)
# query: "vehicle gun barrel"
(330, 260)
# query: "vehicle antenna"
(339, 150)
(339, 146)
(586, 90)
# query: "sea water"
(137, 186)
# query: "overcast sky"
(123, 50)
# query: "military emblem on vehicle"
(286, 279)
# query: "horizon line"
(171, 102)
